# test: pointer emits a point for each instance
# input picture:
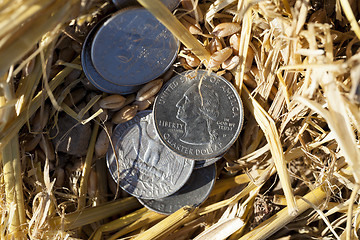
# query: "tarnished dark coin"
(93, 76)
(206, 162)
(198, 115)
(193, 193)
(170, 4)
(145, 167)
(132, 48)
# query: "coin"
(206, 162)
(145, 167)
(193, 193)
(170, 4)
(198, 115)
(133, 47)
(93, 76)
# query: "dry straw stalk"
(119, 223)
(272, 136)
(327, 121)
(12, 170)
(157, 8)
(87, 168)
(94, 214)
(350, 16)
(273, 224)
(13, 126)
(171, 222)
(35, 19)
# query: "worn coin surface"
(93, 76)
(145, 167)
(206, 162)
(170, 4)
(133, 47)
(198, 115)
(193, 193)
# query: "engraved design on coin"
(198, 114)
(133, 47)
(197, 109)
(93, 76)
(193, 193)
(145, 167)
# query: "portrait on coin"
(198, 108)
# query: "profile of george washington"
(197, 109)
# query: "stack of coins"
(126, 50)
(166, 157)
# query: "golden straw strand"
(171, 222)
(119, 223)
(350, 16)
(12, 167)
(10, 155)
(281, 218)
(146, 219)
(225, 184)
(350, 212)
(94, 214)
(158, 9)
(245, 37)
(87, 168)
(13, 127)
(268, 126)
(31, 32)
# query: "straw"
(87, 168)
(350, 16)
(270, 131)
(171, 222)
(12, 170)
(119, 223)
(158, 9)
(301, 102)
(273, 224)
(94, 214)
(13, 127)
(31, 31)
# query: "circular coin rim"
(195, 205)
(229, 144)
(207, 162)
(120, 4)
(110, 150)
(118, 13)
(92, 75)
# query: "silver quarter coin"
(93, 76)
(145, 167)
(193, 193)
(132, 48)
(198, 115)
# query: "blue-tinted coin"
(93, 76)
(132, 48)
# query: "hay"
(295, 163)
